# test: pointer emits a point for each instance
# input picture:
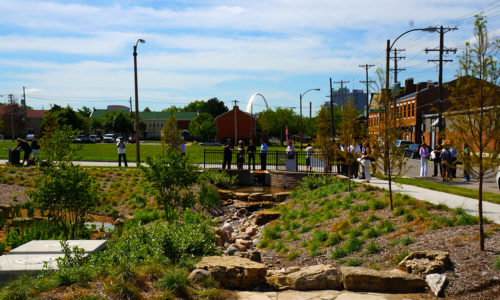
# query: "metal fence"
(275, 160)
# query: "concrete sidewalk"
(490, 210)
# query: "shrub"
(372, 248)
(175, 280)
(371, 232)
(313, 182)
(293, 255)
(385, 227)
(353, 244)
(271, 233)
(338, 253)
(208, 196)
(353, 262)
(333, 239)
(406, 241)
(218, 178)
(319, 235)
(399, 257)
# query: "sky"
(79, 53)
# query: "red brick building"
(235, 124)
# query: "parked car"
(403, 143)
(82, 139)
(411, 151)
(131, 140)
(30, 137)
(95, 138)
(109, 138)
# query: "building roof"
(36, 113)
(232, 111)
(151, 115)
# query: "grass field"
(108, 152)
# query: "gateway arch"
(252, 99)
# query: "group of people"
(240, 154)
(32, 150)
(363, 159)
(445, 158)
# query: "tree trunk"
(480, 205)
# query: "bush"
(497, 263)
(313, 182)
(208, 196)
(175, 280)
(319, 235)
(372, 248)
(353, 244)
(218, 178)
(338, 253)
(333, 239)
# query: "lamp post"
(387, 55)
(137, 142)
(301, 96)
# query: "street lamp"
(301, 96)
(137, 142)
(387, 55)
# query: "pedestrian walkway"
(470, 205)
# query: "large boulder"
(225, 194)
(425, 262)
(363, 279)
(318, 277)
(264, 217)
(252, 205)
(234, 272)
(241, 196)
(280, 197)
(437, 283)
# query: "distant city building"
(358, 96)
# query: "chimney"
(409, 86)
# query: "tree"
(195, 106)
(171, 136)
(393, 162)
(203, 126)
(85, 111)
(68, 192)
(324, 138)
(56, 143)
(349, 132)
(118, 121)
(147, 109)
(212, 106)
(474, 116)
(267, 122)
(169, 174)
(64, 116)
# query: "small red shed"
(235, 124)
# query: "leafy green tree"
(212, 106)
(118, 121)
(147, 109)
(267, 122)
(85, 111)
(169, 174)
(64, 116)
(475, 111)
(203, 126)
(171, 136)
(195, 106)
(68, 192)
(56, 143)
(324, 138)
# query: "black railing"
(275, 160)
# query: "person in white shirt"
(121, 152)
(290, 150)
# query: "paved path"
(490, 210)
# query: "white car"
(498, 177)
(109, 138)
(30, 137)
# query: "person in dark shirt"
(228, 154)
(251, 153)
(26, 148)
(35, 148)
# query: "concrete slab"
(54, 246)
(13, 265)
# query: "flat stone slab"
(13, 265)
(54, 246)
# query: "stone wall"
(286, 179)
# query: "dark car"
(411, 151)
(82, 139)
(131, 140)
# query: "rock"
(245, 243)
(264, 217)
(255, 197)
(280, 197)
(225, 194)
(118, 222)
(224, 235)
(241, 196)
(242, 212)
(231, 250)
(436, 283)
(199, 275)
(253, 206)
(291, 269)
(251, 255)
(256, 242)
(425, 262)
(234, 272)
(267, 197)
(240, 247)
(318, 277)
(251, 230)
(363, 279)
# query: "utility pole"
(396, 59)
(342, 92)
(130, 101)
(310, 110)
(25, 117)
(442, 31)
(367, 82)
(11, 99)
(235, 122)
(331, 109)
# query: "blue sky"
(80, 52)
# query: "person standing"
(263, 154)
(228, 154)
(466, 157)
(445, 163)
(437, 159)
(366, 161)
(26, 148)
(291, 164)
(424, 155)
(251, 153)
(182, 147)
(121, 152)
(240, 155)
(309, 152)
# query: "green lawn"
(446, 188)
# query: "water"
(259, 189)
